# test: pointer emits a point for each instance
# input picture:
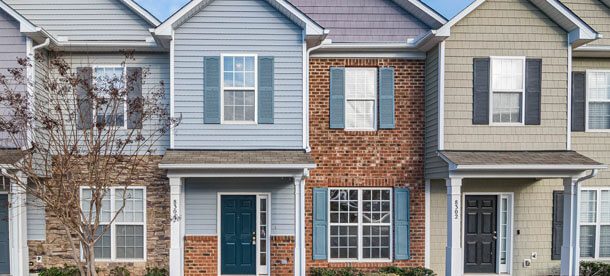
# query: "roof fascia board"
(25, 26)
(606, 2)
(142, 12)
(445, 30)
(422, 12)
(310, 26)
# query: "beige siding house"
(504, 168)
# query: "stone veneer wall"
(383, 158)
(56, 252)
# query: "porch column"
(18, 214)
(570, 250)
(454, 260)
(176, 251)
(299, 231)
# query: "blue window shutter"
(320, 223)
(386, 98)
(337, 97)
(402, 243)
(480, 95)
(265, 90)
(211, 90)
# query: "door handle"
(253, 238)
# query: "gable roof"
(424, 12)
(286, 8)
(25, 25)
(142, 12)
(579, 32)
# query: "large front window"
(239, 88)
(507, 89)
(125, 238)
(360, 224)
(110, 109)
(598, 99)
(360, 98)
(595, 223)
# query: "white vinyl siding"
(598, 100)
(360, 98)
(595, 223)
(507, 89)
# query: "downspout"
(569, 126)
(306, 92)
(32, 81)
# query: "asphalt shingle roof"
(518, 158)
(236, 157)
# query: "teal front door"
(4, 247)
(238, 235)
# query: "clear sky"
(164, 8)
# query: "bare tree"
(80, 128)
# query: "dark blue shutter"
(533, 91)
(402, 243)
(135, 101)
(211, 90)
(337, 97)
(320, 223)
(386, 98)
(480, 95)
(557, 225)
(84, 100)
(265, 90)
(579, 88)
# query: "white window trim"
(597, 222)
(375, 107)
(360, 226)
(491, 91)
(588, 86)
(113, 225)
(94, 80)
(223, 88)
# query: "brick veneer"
(200, 255)
(383, 158)
(282, 255)
(55, 250)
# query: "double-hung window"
(125, 238)
(360, 223)
(110, 110)
(598, 99)
(507, 89)
(595, 223)
(239, 88)
(360, 98)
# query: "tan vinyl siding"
(506, 28)
(533, 210)
(595, 145)
(434, 166)
(596, 14)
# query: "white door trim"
(219, 233)
(509, 236)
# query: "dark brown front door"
(480, 234)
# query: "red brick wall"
(200, 255)
(282, 255)
(383, 158)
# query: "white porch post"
(298, 227)
(570, 250)
(454, 259)
(176, 251)
(19, 240)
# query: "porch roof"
(263, 159)
(10, 156)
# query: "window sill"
(360, 261)
(120, 260)
(506, 124)
(597, 130)
(360, 129)
(238, 123)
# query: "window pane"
(133, 209)
(507, 74)
(360, 114)
(344, 242)
(102, 248)
(376, 242)
(344, 206)
(110, 109)
(239, 105)
(604, 242)
(587, 241)
(599, 86)
(239, 72)
(599, 115)
(507, 107)
(360, 83)
(374, 208)
(605, 208)
(87, 196)
(130, 241)
(588, 206)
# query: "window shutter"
(533, 91)
(480, 101)
(84, 101)
(320, 223)
(557, 225)
(211, 90)
(402, 226)
(579, 90)
(265, 90)
(337, 97)
(134, 97)
(386, 98)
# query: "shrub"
(60, 271)
(120, 271)
(346, 271)
(594, 269)
(408, 271)
(155, 271)
(386, 271)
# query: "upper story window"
(598, 99)
(595, 223)
(507, 89)
(108, 110)
(360, 98)
(239, 88)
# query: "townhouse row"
(334, 133)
